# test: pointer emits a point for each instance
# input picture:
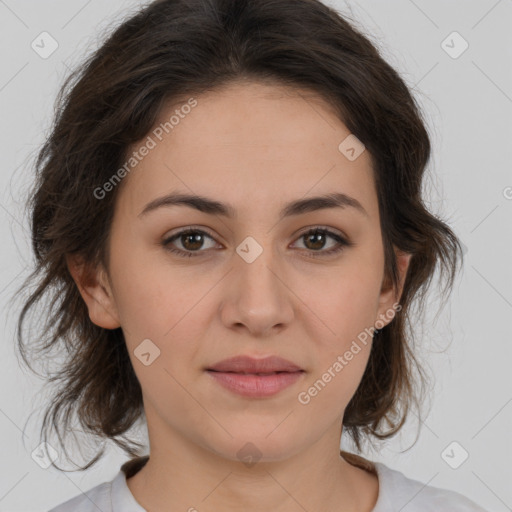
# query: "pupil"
(319, 242)
(315, 239)
(196, 237)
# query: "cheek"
(341, 304)
(153, 296)
(334, 380)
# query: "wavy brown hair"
(178, 48)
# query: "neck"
(187, 477)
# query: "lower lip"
(256, 386)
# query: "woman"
(228, 214)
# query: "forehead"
(251, 143)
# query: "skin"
(256, 146)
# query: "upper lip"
(246, 364)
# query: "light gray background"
(468, 102)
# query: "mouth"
(255, 385)
(255, 377)
(242, 364)
(253, 373)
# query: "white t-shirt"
(395, 492)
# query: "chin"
(257, 446)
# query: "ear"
(96, 291)
(390, 294)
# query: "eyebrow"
(213, 207)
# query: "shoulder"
(113, 496)
(396, 491)
(97, 498)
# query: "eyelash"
(342, 242)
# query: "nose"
(258, 296)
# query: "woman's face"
(255, 283)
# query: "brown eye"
(191, 240)
(316, 239)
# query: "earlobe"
(391, 295)
(96, 292)
(403, 260)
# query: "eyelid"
(302, 231)
(321, 227)
(343, 241)
(186, 229)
